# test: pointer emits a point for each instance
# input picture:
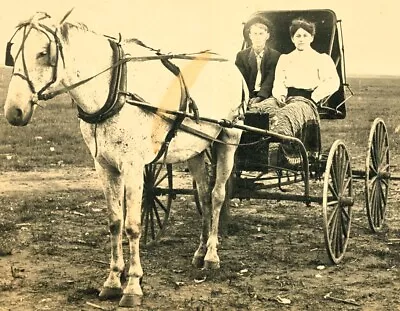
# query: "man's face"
(258, 35)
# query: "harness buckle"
(34, 98)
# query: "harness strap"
(136, 100)
(185, 99)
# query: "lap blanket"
(300, 119)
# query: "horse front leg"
(225, 157)
(133, 176)
(197, 168)
(113, 190)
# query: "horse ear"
(53, 53)
(66, 16)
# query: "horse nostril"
(18, 113)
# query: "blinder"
(52, 53)
(9, 59)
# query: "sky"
(369, 27)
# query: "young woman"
(303, 78)
(304, 71)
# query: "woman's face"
(302, 39)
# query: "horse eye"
(41, 54)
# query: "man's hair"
(257, 20)
(301, 23)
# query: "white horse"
(51, 59)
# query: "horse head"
(34, 52)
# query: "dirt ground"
(54, 253)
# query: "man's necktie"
(257, 85)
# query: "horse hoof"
(198, 262)
(110, 293)
(211, 265)
(129, 301)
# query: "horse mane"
(45, 19)
(67, 26)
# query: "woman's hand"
(281, 101)
(255, 100)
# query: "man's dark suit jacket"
(247, 64)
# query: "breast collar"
(117, 90)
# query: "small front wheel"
(337, 201)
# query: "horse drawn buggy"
(142, 133)
(254, 177)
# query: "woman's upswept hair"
(301, 23)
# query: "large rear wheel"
(337, 201)
(377, 175)
(157, 199)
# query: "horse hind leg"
(225, 157)
(197, 167)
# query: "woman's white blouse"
(308, 70)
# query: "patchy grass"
(56, 126)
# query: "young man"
(257, 63)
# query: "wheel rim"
(377, 175)
(156, 206)
(337, 201)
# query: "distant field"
(57, 126)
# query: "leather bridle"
(54, 46)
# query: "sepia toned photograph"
(199, 155)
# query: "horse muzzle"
(17, 116)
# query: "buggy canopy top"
(328, 39)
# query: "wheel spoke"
(385, 168)
(160, 179)
(332, 203)
(346, 214)
(372, 192)
(335, 236)
(385, 182)
(385, 150)
(345, 225)
(344, 166)
(157, 170)
(334, 179)
(346, 185)
(333, 221)
(372, 181)
(377, 208)
(375, 151)
(382, 139)
(382, 194)
(158, 218)
(332, 216)
(373, 169)
(339, 237)
(153, 234)
(161, 204)
(333, 191)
